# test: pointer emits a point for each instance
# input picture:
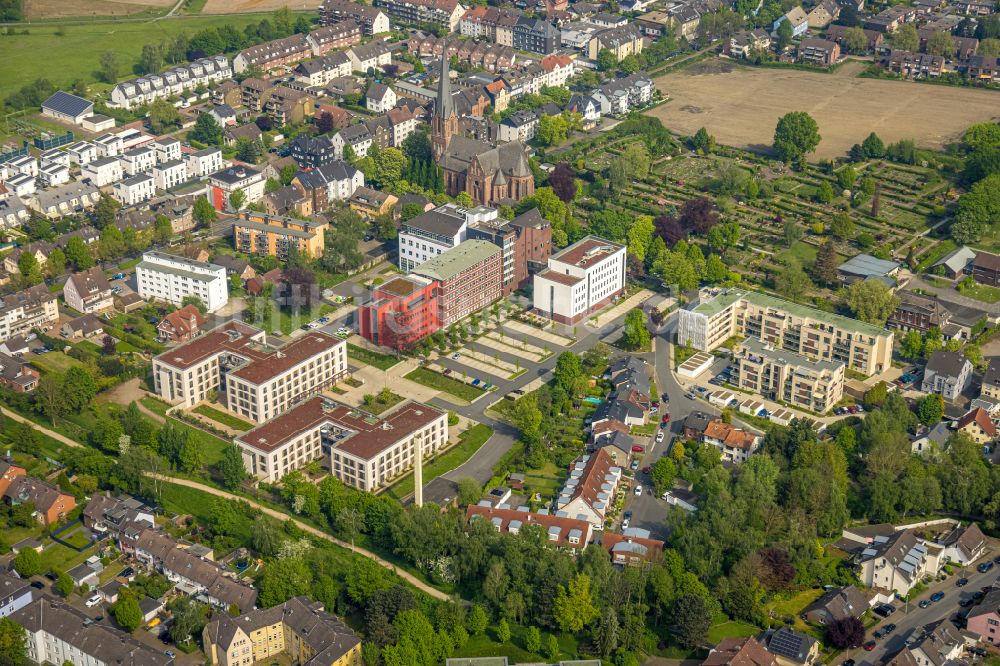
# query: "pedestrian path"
(553, 340)
(62, 439)
(620, 310)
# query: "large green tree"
(795, 136)
(871, 301)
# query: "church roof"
(507, 158)
(445, 108)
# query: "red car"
(638, 449)
(666, 418)
(869, 646)
(645, 470)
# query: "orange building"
(260, 233)
(8, 472)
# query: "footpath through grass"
(439, 382)
(469, 442)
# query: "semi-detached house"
(88, 291)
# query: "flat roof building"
(172, 278)
(787, 376)
(277, 236)
(469, 277)
(580, 280)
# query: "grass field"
(154, 405)
(380, 361)
(35, 10)
(224, 418)
(741, 105)
(469, 443)
(77, 52)
(723, 627)
(980, 292)
(436, 380)
(54, 361)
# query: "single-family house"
(947, 373)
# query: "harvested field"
(54, 9)
(741, 105)
(243, 6)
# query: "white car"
(625, 524)
(659, 437)
(93, 601)
(638, 490)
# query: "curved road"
(280, 515)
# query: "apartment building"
(559, 528)
(320, 71)
(918, 313)
(894, 562)
(103, 171)
(256, 381)
(735, 445)
(134, 190)
(203, 162)
(88, 291)
(400, 312)
(580, 280)
(621, 41)
(22, 311)
(58, 633)
(336, 181)
(172, 82)
(536, 35)
(138, 160)
(172, 278)
(222, 184)
(260, 233)
(82, 152)
(947, 373)
(51, 174)
(168, 175)
(429, 234)
(721, 314)
(373, 21)
(590, 491)
(299, 628)
(469, 278)
(15, 594)
(788, 377)
(526, 242)
(364, 451)
(444, 13)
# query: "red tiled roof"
(740, 652)
(561, 278)
(730, 436)
(288, 357)
(180, 321)
(218, 339)
(528, 518)
(653, 546)
(980, 417)
(593, 477)
(554, 60)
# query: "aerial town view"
(500, 332)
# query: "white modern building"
(109, 145)
(170, 278)
(135, 190)
(172, 82)
(169, 175)
(52, 174)
(436, 231)
(167, 149)
(203, 162)
(103, 171)
(82, 152)
(24, 165)
(138, 160)
(222, 184)
(580, 280)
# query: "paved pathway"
(42, 429)
(281, 515)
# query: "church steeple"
(445, 123)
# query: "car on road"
(885, 631)
(93, 601)
(659, 437)
(118, 276)
(869, 646)
(666, 418)
(665, 397)
(690, 396)
(638, 490)
(625, 524)
(169, 653)
(645, 470)
(324, 320)
(961, 582)
(937, 596)
(885, 610)
(984, 567)
(634, 466)
(38, 585)
(638, 449)
(925, 603)
(996, 560)
(628, 514)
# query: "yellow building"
(260, 233)
(788, 377)
(299, 628)
(622, 42)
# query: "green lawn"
(58, 556)
(375, 359)
(224, 418)
(436, 380)
(287, 322)
(792, 606)
(469, 443)
(546, 480)
(804, 253)
(76, 53)
(723, 627)
(980, 292)
(155, 405)
(55, 361)
(487, 645)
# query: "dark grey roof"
(439, 222)
(355, 133)
(444, 107)
(790, 644)
(864, 265)
(946, 363)
(234, 175)
(71, 105)
(377, 91)
(531, 218)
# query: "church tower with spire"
(444, 125)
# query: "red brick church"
(491, 175)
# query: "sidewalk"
(537, 333)
(42, 429)
(630, 303)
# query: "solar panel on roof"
(786, 644)
(71, 105)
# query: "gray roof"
(71, 105)
(445, 106)
(946, 363)
(790, 644)
(459, 258)
(958, 259)
(865, 265)
(441, 221)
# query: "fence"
(43, 143)
(11, 153)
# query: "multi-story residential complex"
(484, 22)
(15, 594)
(138, 160)
(364, 451)
(299, 626)
(788, 377)
(51, 174)
(618, 97)
(400, 312)
(580, 280)
(256, 381)
(310, 152)
(58, 633)
(168, 175)
(559, 528)
(203, 162)
(947, 373)
(526, 242)
(174, 81)
(896, 562)
(260, 233)
(288, 50)
(194, 575)
(444, 13)
(536, 35)
(134, 190)
(721, 314)
(429, 234)
(559, 68)
(622, 42)
(469, 278)
(22, 311)
(81, 152)
(88, 291)
(590, 491)
(373, 55)
(372, 20)
(320, 71)
(103, 171)
(222, 184)
(336, 181)
(171, 278)
(166, 149)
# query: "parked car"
(645, 470)
(961, 582)
(690, 396)
(984, 567)
(884, 610)
(924, 603)
(118, 276)
(937, 596)
(869, 646)
(625, 524)
(38, 585)
(93, 601)
(638, 490)
(659, 437)
(666, 418)
(653, 410)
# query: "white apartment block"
(170, 278)
(24, 165)
(82, 152)
(55, 156)
(168, 175)
(103, 171)
(138, 160)
(174, 81)
(167, 150)
(24, 310)
(52, 174)
(256, 381)
(134, 190)
(437, 231)
(21, 184)
(222, 184)
(109, 145)
(203, 162)
(580, 280)
(363, 451)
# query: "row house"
(274, 54)
(310, 152)
(320, 71)
(372, 20)
(15, 593)
(918, 313)
(623, 95)
(337, 36)
(888, 20)
(68, 199)
(174, 81)
(982, 68)
(974, 7)
(633, 547)
(837, 33)
(487, 21)
(51, 504)
(13, 212)
(325, 184)
(403, 122)
(559, 529)
(491, 57)
(444, 13)
(914, 65)
(654, 24)
(589, 492)
(105, 514)
(52, 175)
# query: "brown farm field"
(56, 9)
(741, 105)
(245, 6)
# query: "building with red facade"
(401, 312)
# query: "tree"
(977, 209)
(702, 142)
(871, 301)
(78, 254)
(64, 584)
(574, 606)
(28, 563)
(930, 409)
(635, 334)
(503, 631)
(911, 345)
(188, 619)
(109, 67)
(905, 38)
(785, 34)
(79, 388)
(692, 619)
(941, 44)
(791, 232)
(127, 613)
(248, 150)
(663, 472)
(151, 59)
(13, 642)
(532, 640)
(827, 260)
(873, 146)
(876, 395)
(552, 130)
(237, 198)
(847, 632)
(231, 467)
(855, 40)
(989, 47)
(795, 135)
(563, 182)
(527, 417)
(824, 193)
(841, 226)
(204, 213)
(552, 649)
(568, 369)
(477, 620)
(606, 60)
(469, 491)
(206, 130)
(698, 215)
(27, 266)
(792, 282)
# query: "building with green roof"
(469, 278)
